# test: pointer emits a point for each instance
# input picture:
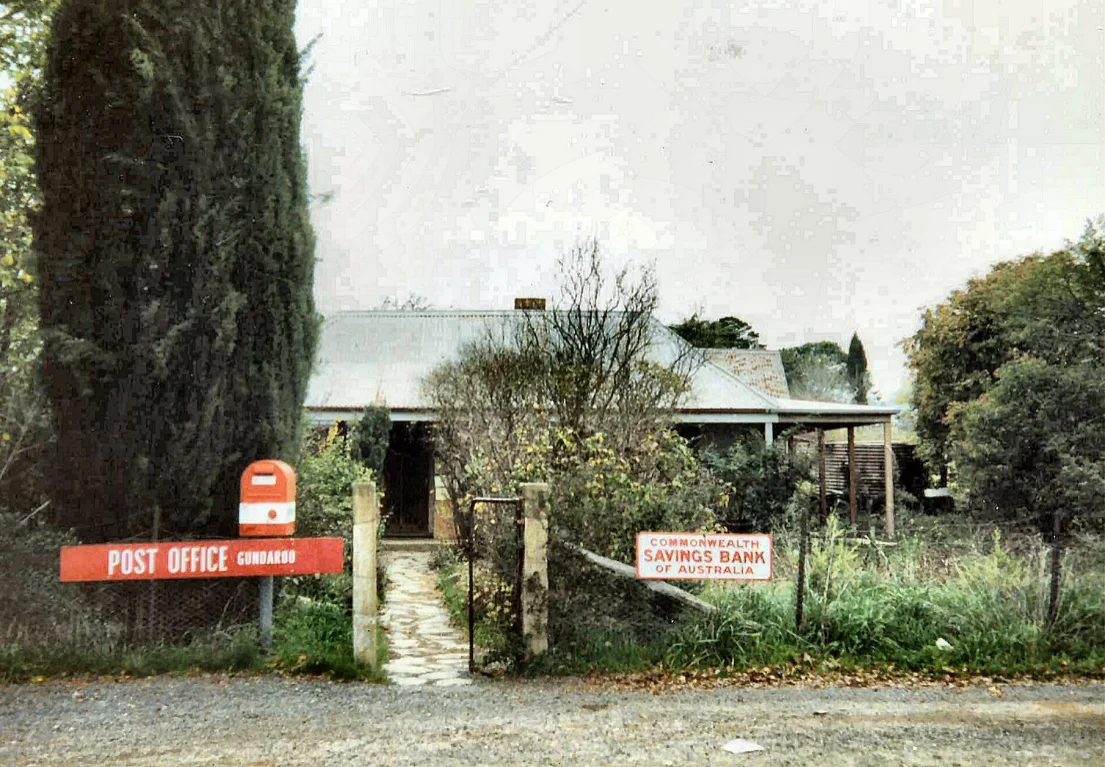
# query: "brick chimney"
(529, 304)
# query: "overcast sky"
(811, 167)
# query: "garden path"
(423, 647)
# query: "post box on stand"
(267, 499)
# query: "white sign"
(700, 557)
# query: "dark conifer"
(176, 257)
(856, 369)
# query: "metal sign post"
(266, 612)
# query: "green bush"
(370, 437)
(325, 476)
(761, 481)
(601, 497)
(35, 607)
(317, 638)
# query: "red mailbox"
(268, 499)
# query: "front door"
(408, 480)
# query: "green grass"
(223, 652)
(317, 638)
(989, 604)
(314, 638)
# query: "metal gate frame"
(519, 522)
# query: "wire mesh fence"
(38, 611)
(491, 540)
(996, 594)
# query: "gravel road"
(275, 721)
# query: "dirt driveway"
(273, 721)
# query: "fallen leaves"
(660, 680)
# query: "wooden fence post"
(535, 570)
(366, 518)
(1056, 568)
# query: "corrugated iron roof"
(381, 358)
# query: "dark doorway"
(408, 481)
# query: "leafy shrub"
(761, 481)
(370, 437)
(325, 476)
(317, 638)
(34, 605)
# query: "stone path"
(423, 647)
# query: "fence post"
(535, 568)
(823, 504)
(366, 517)
(800, 586)
(888, 476)
(852, 476)
(1056, 568)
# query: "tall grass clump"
(988, 606)
(317, 638)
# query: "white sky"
(811, 167)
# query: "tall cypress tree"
(856, 369)
(176, 256)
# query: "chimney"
(529, 304)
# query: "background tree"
(856, 370)
(411, 303)
(1005, 385)
(24, 424)
(725, 333)
(176, 257)
(817, 371)
(1032, 446)
(1049, 307)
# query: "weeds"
(988, 607)
(317, 638)
(308, 638)
(232, 651)
(867, 607)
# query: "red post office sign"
(699, 557)
(202, 559)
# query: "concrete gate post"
(535, 570)
(366, 518)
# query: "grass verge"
(313, 638)
(980, 611)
